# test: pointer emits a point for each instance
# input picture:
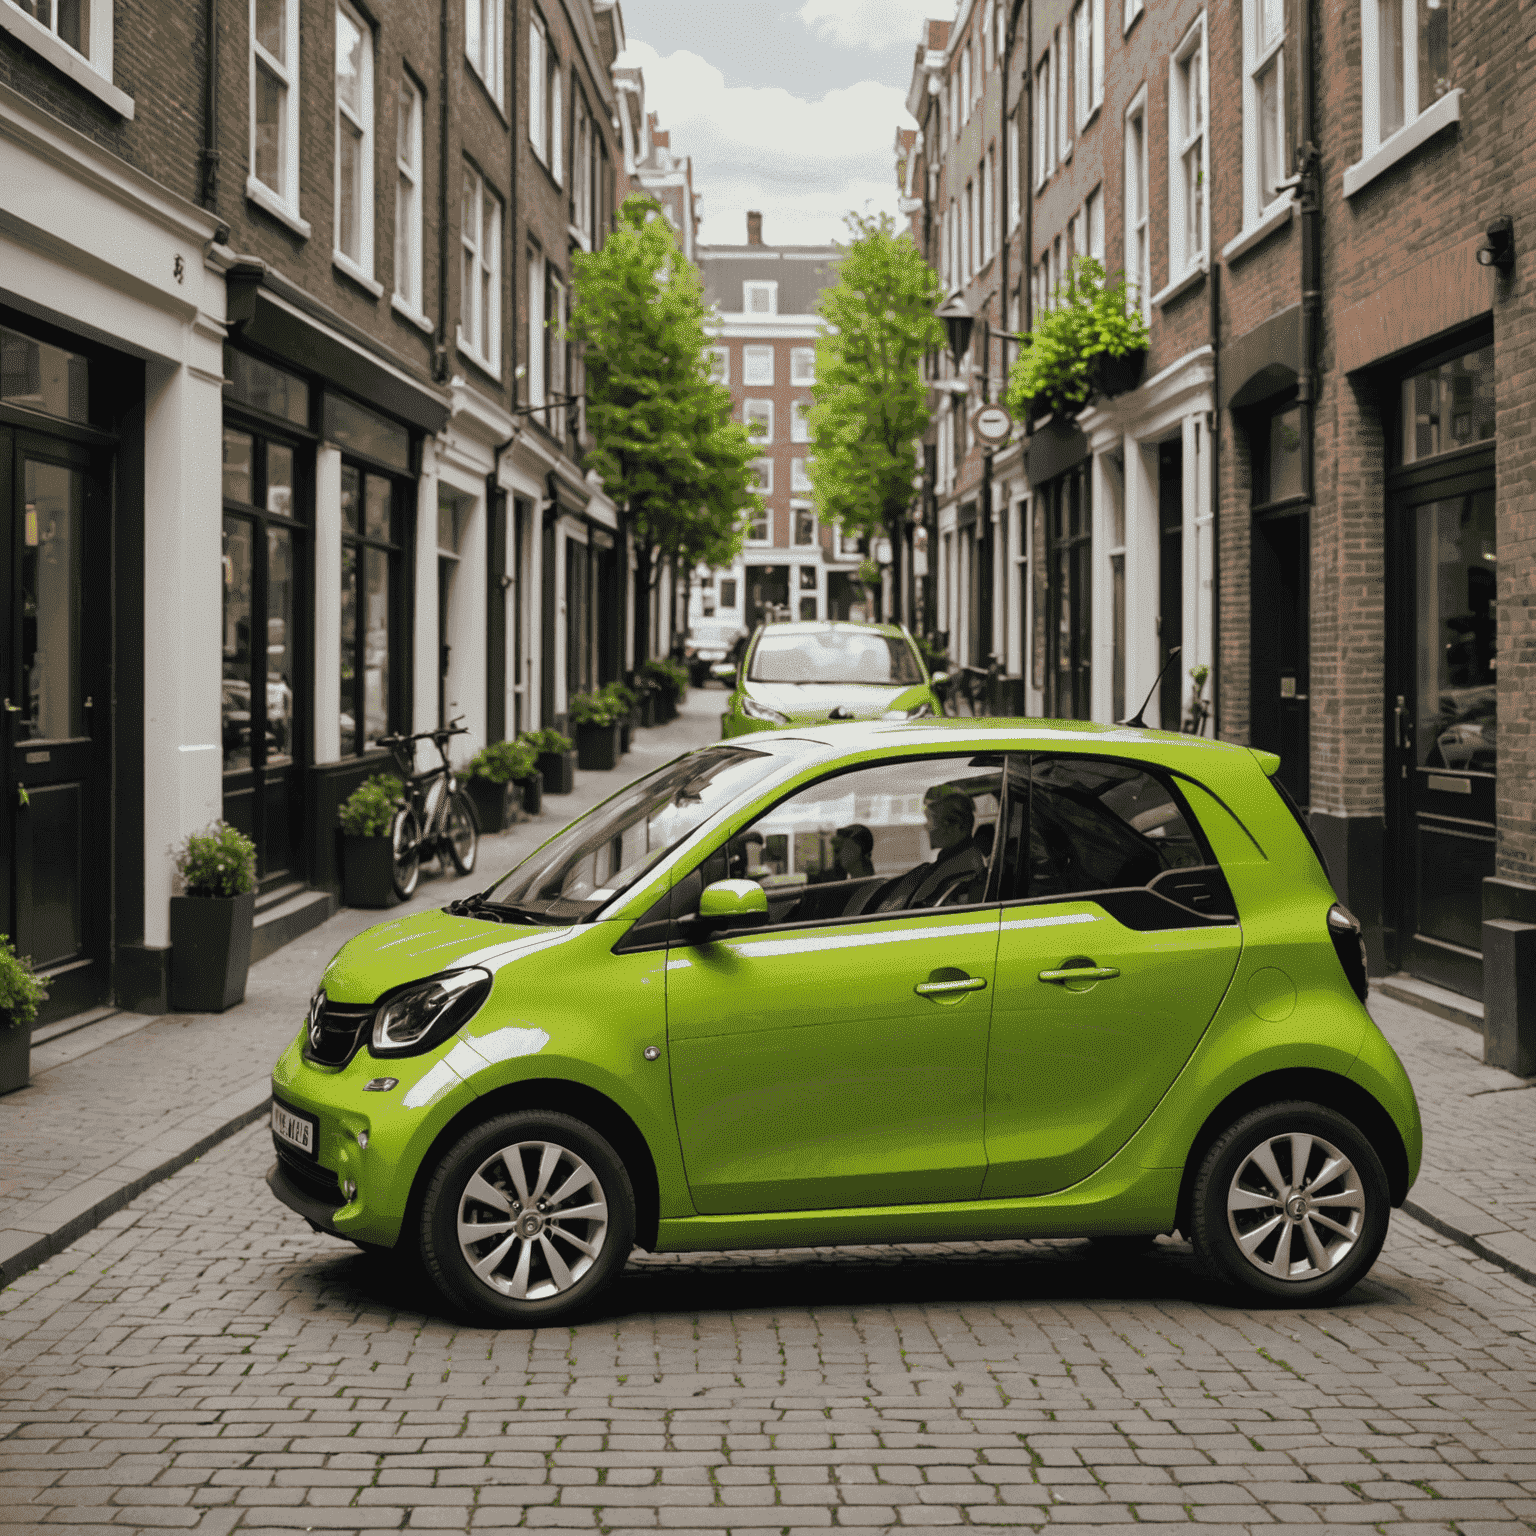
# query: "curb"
(22, 1251)
(1522, 1267)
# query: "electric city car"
(888, 982)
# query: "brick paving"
(203, 1361)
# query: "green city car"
(879, 983)
(797, 674)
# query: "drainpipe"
(1309, 159)
(211, 110)
(440, 359)
(1213, 285)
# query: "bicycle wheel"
(461, 834)
(405, 852)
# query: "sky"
(786, 106)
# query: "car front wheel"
(1291, 1204)
(527, 1218)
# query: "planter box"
(210, 951)
(368, 872)
(496, 805)
(626, 734)
(597, 747)
(533, 796)
(666, 709)
(1119, 375)
(15, 1056)
(648, 710)
(559, 772)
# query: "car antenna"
(1136, 719)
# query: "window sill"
(269, 202)
(1276, 216)
(1087, 122)
(1426, 125)
(484, 364)
(1180, 285)
(415, 316)
(64, 58)
(350, 269)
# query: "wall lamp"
(958, 321)
(1499, 248)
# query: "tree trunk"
(642, 602)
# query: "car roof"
(822, 626)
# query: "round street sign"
(993, 425)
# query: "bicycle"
(436, 818)
(971, 684)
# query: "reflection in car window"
(833, 656)
(898, 836)
(1099, 825)
(600, 856)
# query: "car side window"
(908, 835)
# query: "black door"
(1170, 579)
(1279, 667)
(265, 570)
(1069, 629)
(1442, 714)
(55, 669)
(767, 593)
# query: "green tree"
(871, 405)
(666, 446)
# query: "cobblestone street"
(203, 1361)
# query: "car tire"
(1291, 1204)
(537, 1264)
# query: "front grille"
(309, 1178)
(335, 1031)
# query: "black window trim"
(399, 553)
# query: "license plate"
(301, 1131)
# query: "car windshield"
(600, 856)
(833, 656)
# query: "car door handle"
(1082, 973)
(942, 988)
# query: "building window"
(480, 283)
(371, 554)
(800, 476)
(1132, 11)
(84, 28)
(1448, 407)
(1060, 99)
(719, 364)
(760, 526)
(274, 98)
(1264, 165)
(555, 355)
(482, 41)
(537, 393)
(727, 591)
(799, 422)
(967, 223)
(1082, 26)
(965, 79)
(986, 37)
(556, 99)
(1405, 60)
(758, 415)
(804, 519)
(408, 198)
(1187, 153)
(1011, 148)
(538, 122)
(1136, 253)
(1043, 121)
(989, 206)
(1093, 217)
(760, 298)
(757, 365)
(354, 140)
(802, 365)
(1275, 456)
(1067, 505)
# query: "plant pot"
(368, 872)
(210, 951)
(15, 1055)
(626, 734)
(666, 709)
(648, 710)
(1119, 375)
(495, 804)
(597, 747)
(533, 796)
(559, 771)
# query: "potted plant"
(645, 693)
(20, 994)
(628, 704)
(1091, 342)
(596, 719)
(557, 761)
(497, 773)
(530, 778)
(671, 681)
(212, 920)
(367, 851)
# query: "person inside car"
(958, 870)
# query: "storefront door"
(54, 667)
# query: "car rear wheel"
(527, 1218)
(1291, 1204)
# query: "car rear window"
(834, 656)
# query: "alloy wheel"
(1296, 1206)
(532, 1220)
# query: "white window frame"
(1011, 147)
(799, 421)
(538, 49)
(408, 295)
(556, 118)
(1378, 149)
(1138, 186)
(1082, 53)
(483, 30)
(1094, 213)
(1043, 121)
(769, 289)
(487, 269)
(92, 69)
(1182, 144)
(756, 354)
(989, 215)
(986, 37)
(359, 266)
(802, 366)
(1096, 57)
(760, 411)
(720, 368)
(282, 201)
(1133, 9)
(800, 476)
(967, 231)
(1062, 103)
(965, 80)
(797, 507)
(1258, 55)
(763, 518)
(538, 392)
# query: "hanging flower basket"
(1119, 374)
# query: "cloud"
(875, 24)
(803, 163)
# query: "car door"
(837, 1058)
(1113, 954)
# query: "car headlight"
(419, 1017)
(915, 713)
(755, 711)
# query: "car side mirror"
(731, 904)
(939, 679)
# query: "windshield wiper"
(479, 905)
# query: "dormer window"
(760, 298)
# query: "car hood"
(425, 944)
(816, 701)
